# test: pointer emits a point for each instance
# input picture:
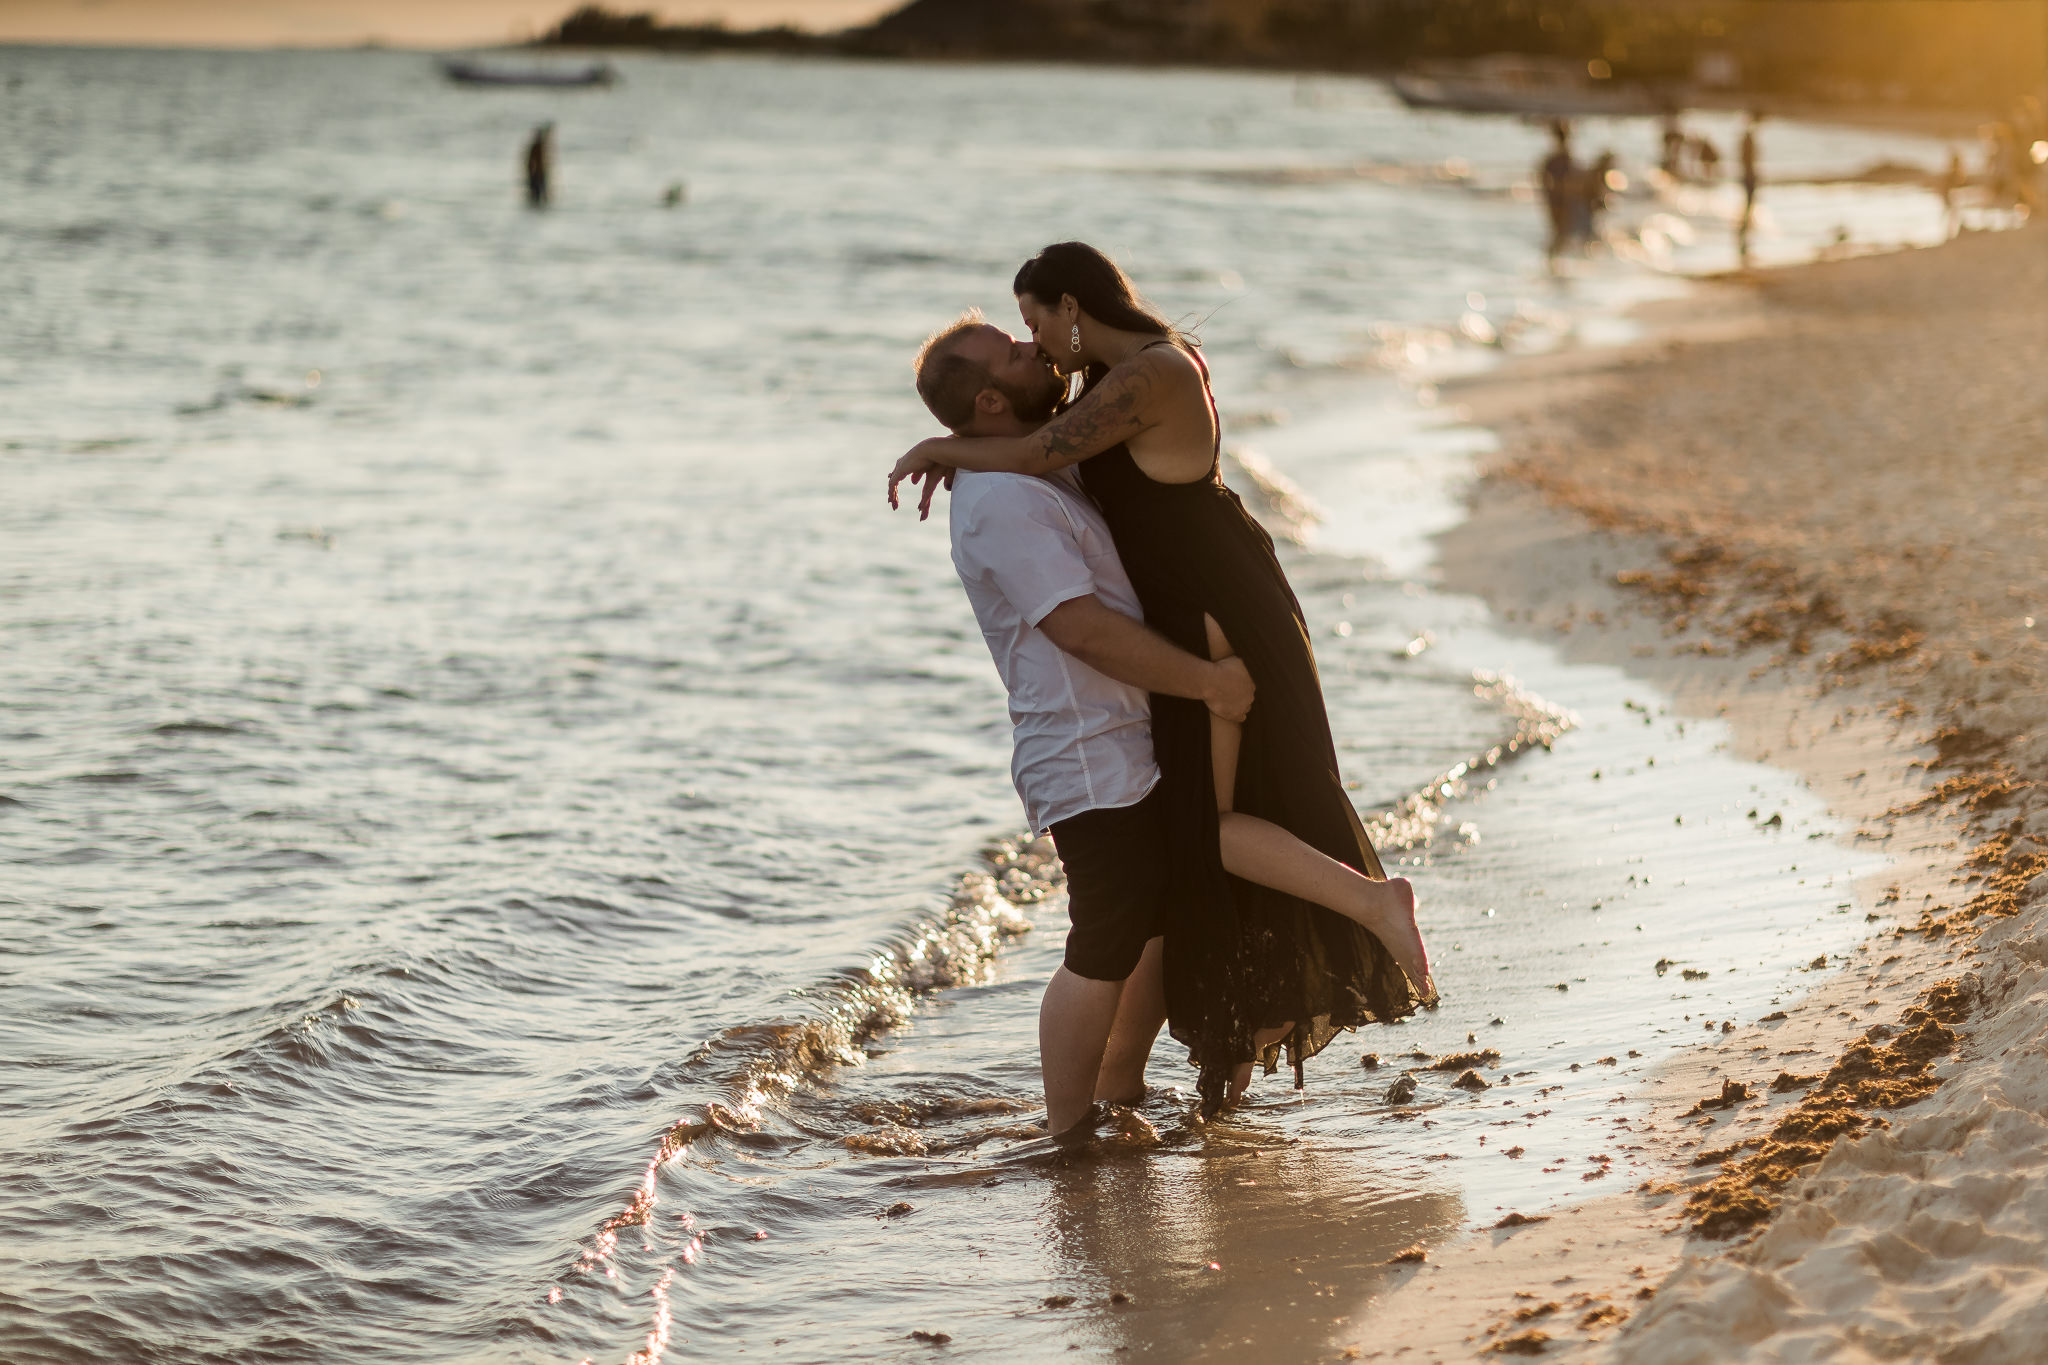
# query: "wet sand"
(1811, 504)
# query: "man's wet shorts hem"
(1115, 861)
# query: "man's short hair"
(948, 381)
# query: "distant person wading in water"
(540, 165)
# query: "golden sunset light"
(349, 23)
(1109, 681)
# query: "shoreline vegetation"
(1949, 61)
(1810, 504)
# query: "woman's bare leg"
(1224, 735)
(1261, 851)
(1241, 1078)
(1224, 739)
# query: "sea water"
(505, 842)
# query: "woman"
(1270, 963)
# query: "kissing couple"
(1169, 724)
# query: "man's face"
(1020, 373)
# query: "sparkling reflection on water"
(465, 716)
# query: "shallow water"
(491, 804)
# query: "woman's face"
(1051, 331)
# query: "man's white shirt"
(1022, 546)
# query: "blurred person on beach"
(1285, 928)
(2030, 148)
(2001, 164)
(1672, 159)
(1706, 158)
(1751, 178)
(1558, 176)
(1600, 182)
(540, 165)
(1950, 187)
(2013, 172)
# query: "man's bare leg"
(1139, 1015)
(1073, 1030)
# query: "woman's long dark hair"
(1104, 292)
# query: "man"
(1064, 627)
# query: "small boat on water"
(464, 71)
(1533, 87)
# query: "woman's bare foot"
(1241, 1079)
(1387, 909)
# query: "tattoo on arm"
(1114, 410)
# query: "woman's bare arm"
(1124, 404)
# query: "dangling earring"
(1075, 344)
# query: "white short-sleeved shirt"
(1023, 545)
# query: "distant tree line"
(595, 26)
(1949, 53)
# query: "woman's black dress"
(1242, 957)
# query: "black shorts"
(1116, 865)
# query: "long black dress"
(1242, 957)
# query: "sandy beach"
(1809, 503)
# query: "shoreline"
(1843, 693)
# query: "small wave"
(887, 1141)
(201, 727)
(958, 948)
(245, 394)
(760, 1062)
(955, 948)
(82, 234)
(113, 777)
(102, 445)
(1449, 172)
(1411, 822)
(885, 258)
(919, 1113)
(73, 857)
(574, 902)
(281, 860)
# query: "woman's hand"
(923, 465)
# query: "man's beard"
(1034, 403)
